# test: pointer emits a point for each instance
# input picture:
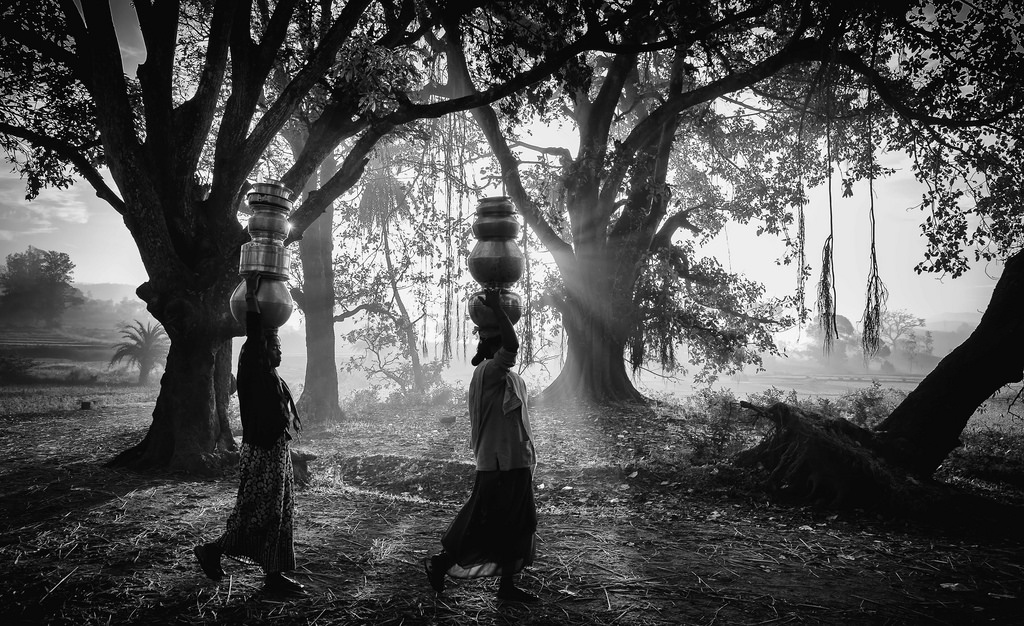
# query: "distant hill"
(107, 291)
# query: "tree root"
(829, 462)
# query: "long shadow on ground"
(622, 539)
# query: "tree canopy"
(697, 115)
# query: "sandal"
(277, 583)
(435, 578)
(209, 560)
(515, 594)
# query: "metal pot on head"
(266, 255)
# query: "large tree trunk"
(597, 321)
(318, 405)
(188, 432)
(926, 426)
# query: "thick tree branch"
(596, 124)
(796, 51)
(159, 28)
(72, 154)
(564, 156)
(370, 307)
(461, 81)
(406, 112)
(888, 95)
(337, 121)
(199, 111)
(285, 105)
(348, 174)
(103, 74)
(679, 219)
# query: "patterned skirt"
(259, 529)
(495, 527)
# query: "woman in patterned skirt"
(259, 529)
(493, 534)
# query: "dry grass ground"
(630, 533)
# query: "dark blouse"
(264, 401)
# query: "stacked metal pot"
(496, 262)
(270, 203)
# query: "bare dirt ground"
(630, 533)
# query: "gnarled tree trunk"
(826, 461)
(597, 320)
(841, 464)
(926, 426)
(189, 432)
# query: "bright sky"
(74, 221)
(899, 245)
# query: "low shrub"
(865, 407)
(991, 454)
(717, 426)
(359, 401)
(868, 406)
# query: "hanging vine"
(527, 317)
(877, 294)
(449, 260)
(827, 281)
(801, 202)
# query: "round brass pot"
(495, 219)
(496, 263)
(275, 301)
(484, 317)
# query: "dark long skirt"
(259, 529)
(495, 527)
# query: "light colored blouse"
(499, 418)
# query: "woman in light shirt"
(493, 534)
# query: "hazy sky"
(75, 221)
(92, 233)
(899, 247)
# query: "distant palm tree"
(144, 346)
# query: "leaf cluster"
(45, 112)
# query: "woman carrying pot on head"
(493, 534)
(259, 529)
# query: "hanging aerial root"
(824, 461)
(827, 299)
